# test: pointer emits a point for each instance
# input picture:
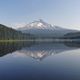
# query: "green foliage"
(7, 33)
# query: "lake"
(40, 61)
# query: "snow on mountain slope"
(40, 24)
(43, 29)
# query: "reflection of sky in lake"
(60, 63)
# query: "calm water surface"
(39, 61)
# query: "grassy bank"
(15, 40)
(41, 40)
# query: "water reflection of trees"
(9, 47)
(72, 44)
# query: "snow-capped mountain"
(43, 29)
(39, 24)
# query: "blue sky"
(65, 13)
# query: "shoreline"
(43, 40)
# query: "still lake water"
(39, 61)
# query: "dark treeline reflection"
(72, 44)
(9, 47)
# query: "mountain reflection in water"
(56, 61)
(35, 50)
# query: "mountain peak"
(40, 20)
(38, 24)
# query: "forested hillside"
(75, 35)
(7, 33)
